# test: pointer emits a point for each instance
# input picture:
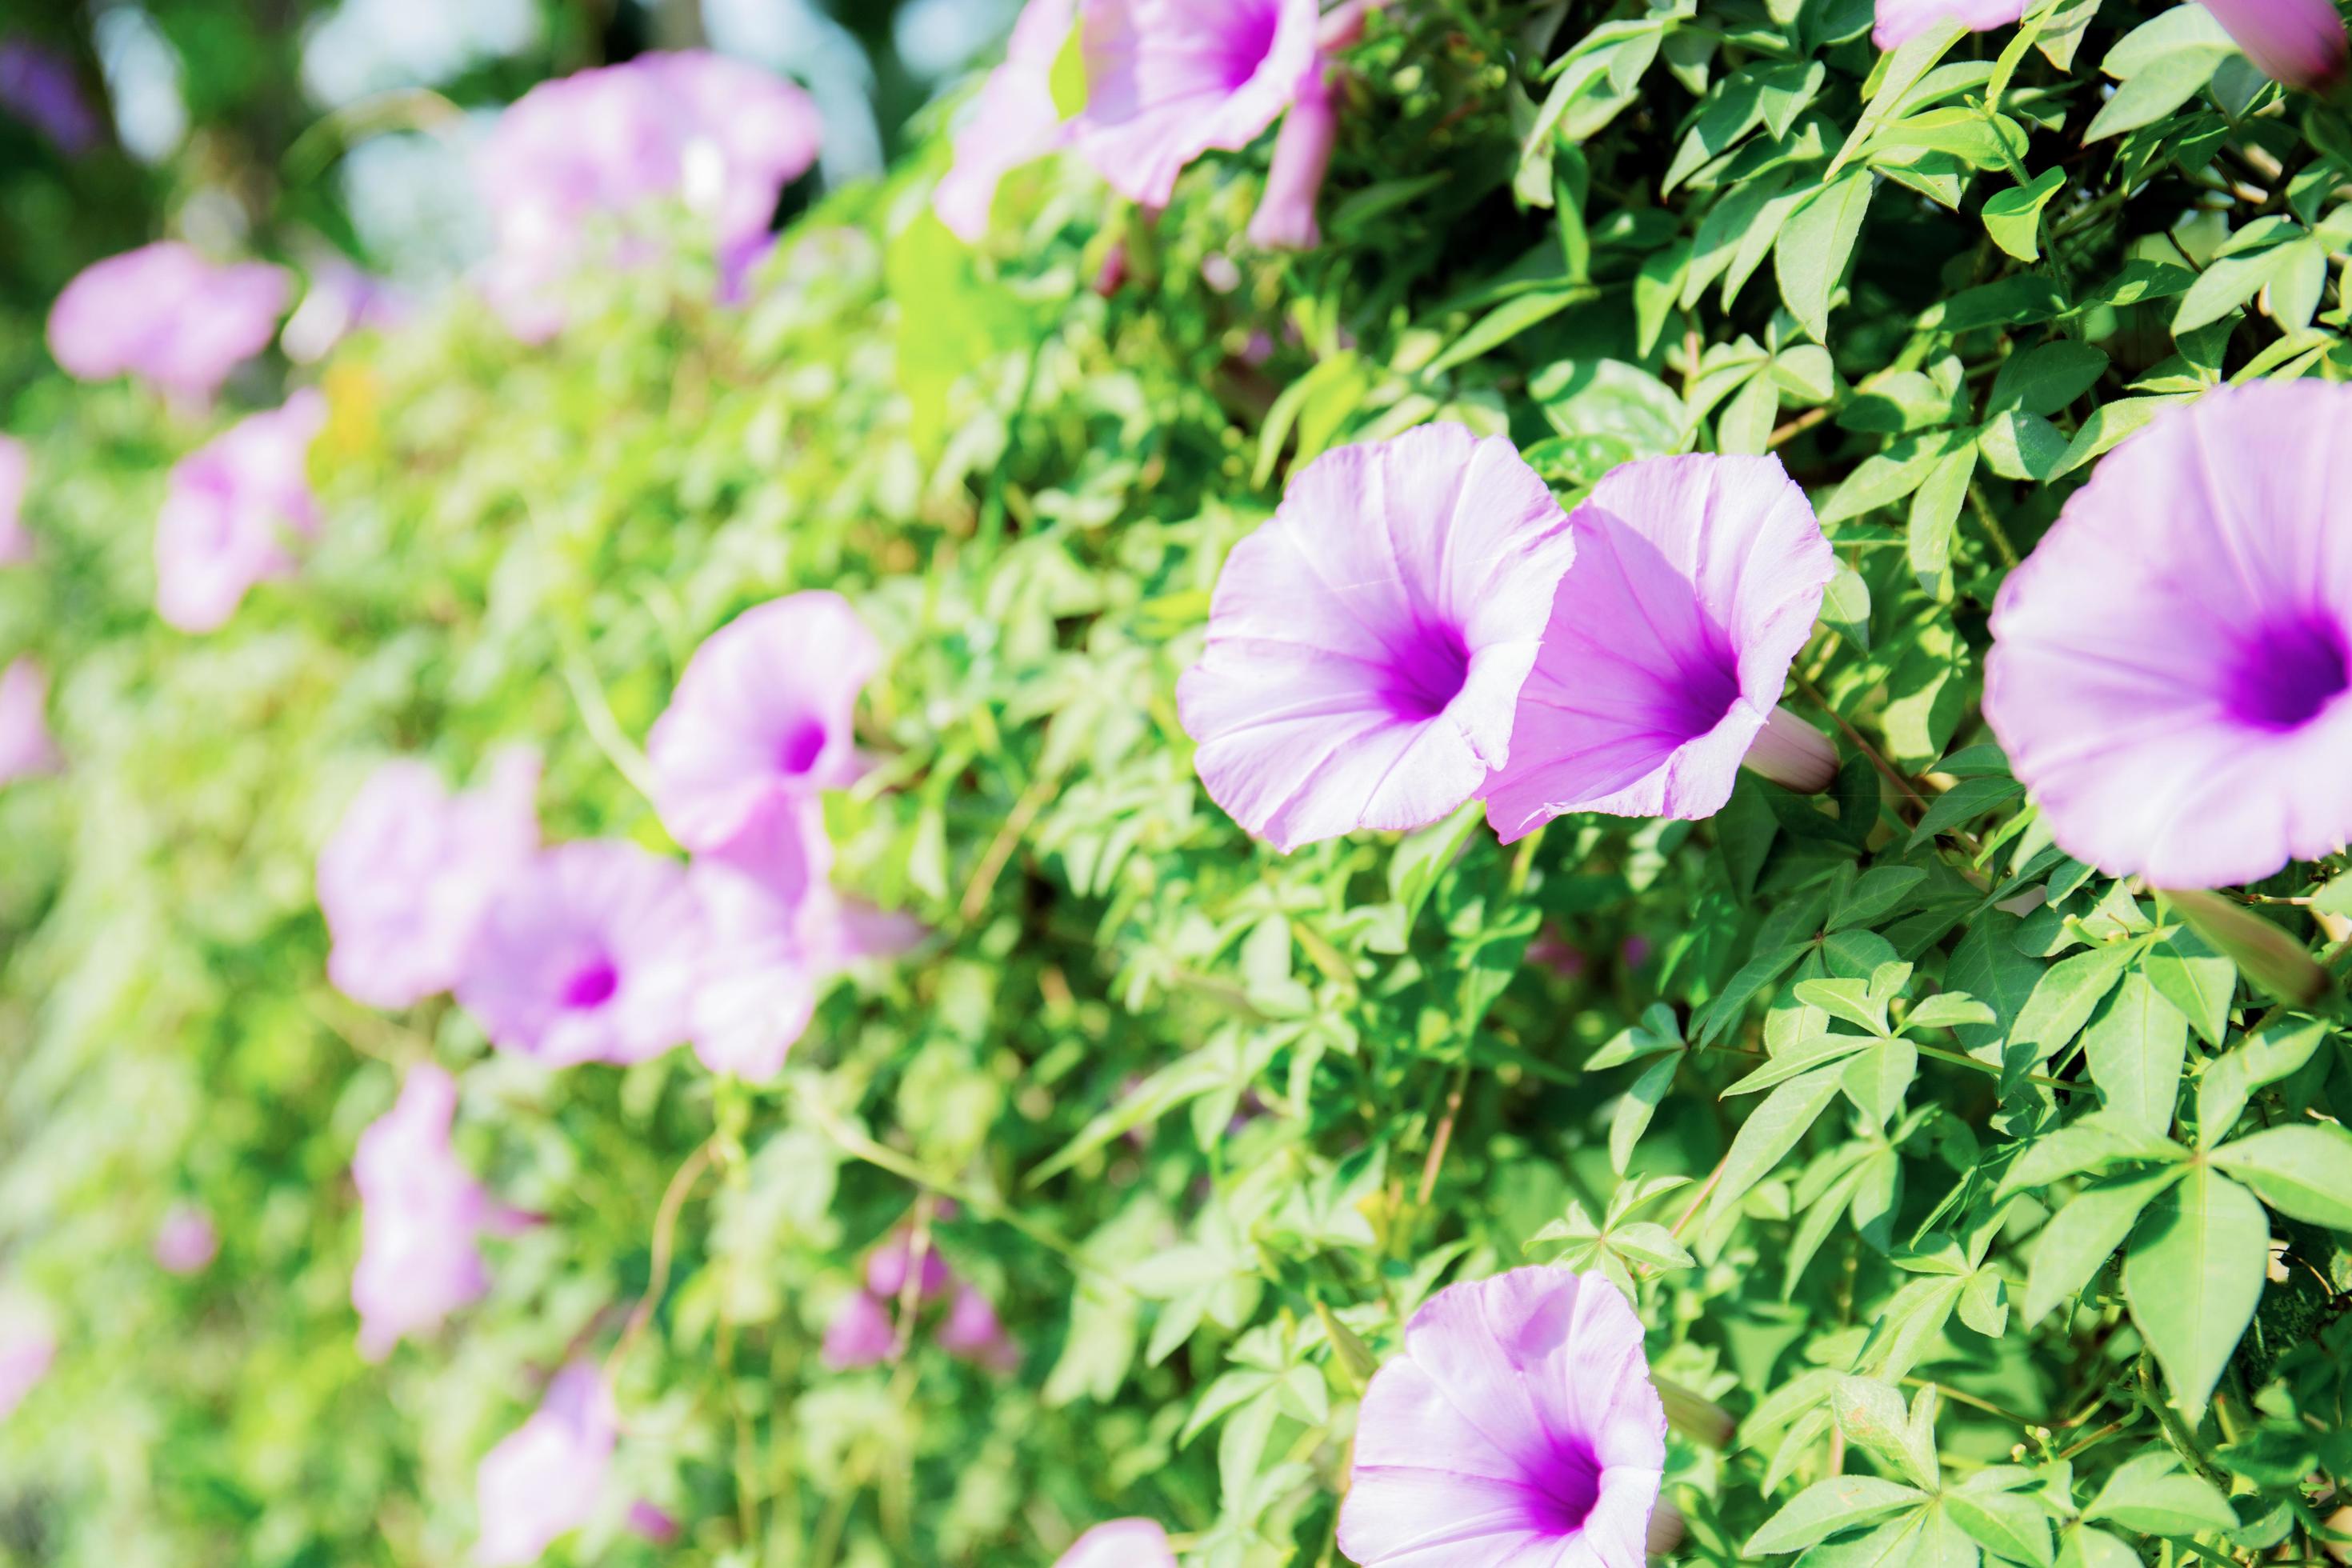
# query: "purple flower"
(886, 1267)
(1900, 21)
(1014, 122)
(1366, 645)
(167, 315)
(1284, 219)
(28, 1347)
(186, 1243)
(1121, 1543)
(973, 1330)
(574, 165)
(342, 301)
(408, 876)
(422, 1215)
(2298, 42)
(2169, 671)
(1519, 1426)
(758, 982)
(649, 1523)
(761, 716)
(232, 508)
(860, 1334)
(1168, 80)
(26, 748)
(588, 954)
(1697, 580)
(38, 85)
(16, 475)
(545, 1479)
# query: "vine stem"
(664, 1236)
(1444, 1138)
(1698, 1199)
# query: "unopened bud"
(1693, 1414)
(2265, 953)
(1792, 754)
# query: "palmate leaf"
(1827, 1507)
(2193, 1276)
(2303, 1171)
(2083, 1233)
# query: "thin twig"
(665, 1235)
(1444, 1138)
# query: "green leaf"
(2228, 283)
(2188, 972)
(2009, 1527)
(1827, 1507)
(1726, 225)
(2082, 1236)
(1947, 1010)
(1810, 255)
(2045, 379)
(1507, 320)
(2079, 1546)
(2149, 1492)
(1936, 518)
(1845, 607)
(2013, 216)
(1631, 1117)
(2303, 1171)
(1421, 857)
(1887, 476)
(2022, 447)
(2135, 1048)
(1964, 801)
(2065, 996)
(1803, 1056)
(2193, 1276)
(1871, 1415)
(1772, 1129)
(2259, 1060)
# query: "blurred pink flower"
(571, 162)
(1519, 1426)
(167, 315)
(1900, 21)
(408, 876)
(651, 1523)
(887, 1266)
(186, 1243)
(1366, 645)
(757, 987)
(1013, 121)
(1284, 219)
(545, 1479)
(973, 1330)
(1697, 580)
(39, 87)
(860, 1334)
(28, 1347)
(1553, 951)
(588, 954)
(2298, 42)
(2171, 669)
(422, 1215)
(233, 506)
(16, 475)
(342, 301)
(761, 715)
(1635, 951)
(26, 748)
(1121, 1543)
(1168, 80)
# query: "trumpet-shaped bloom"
(588, 954)
(39, 86)
(1013, 120)
(1697, 579)
(2298, 42)
(973, 1330)
(16, 474)
(860, 1334)
(28, 1347)
(1900, 21)
(1168, 80)
(167, 315)
(545, 1477)
(187, 1242)
(1366, 645)
(26, 748)
(757, 987)
(2169, 672)
(574, 165)
(1519, 1426)
(761, 717)
(886, 1267)
(1121, 1543)
(409, 875)
(422, 1215)
(233, 506)
(1284, 219)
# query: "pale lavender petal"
(1121, 1543)
(232, 509)
(408, 876)
(26, 749)
(28, 1348)
(545, 1479)
(1900, 21)
(2298, 42)
(1697, 580)
(1168, 80)
(1012, 123)
(2170, 670)
(590, 953)
(16, 475)
(1519, 1426)
(1366, 645)
(1284, 219)
(39, 86)
(886, 1267)
(421, 1218)
(167, 315)
(860, 1334)
(973, 1330)
(187, 1242)
(649, 1523)
(761, 715)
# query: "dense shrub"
(1204, 1122)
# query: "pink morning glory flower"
(588, 954)
(648, 1522)
(1366, 645)
(26, 749)
(886, 1267)
(232, 508)
(28, 1348)
(571, 162)
(1900, 21)
(759, 981)
(973, 1330)
(1697, 580)
(1519, 1426)
(545, 1479)
(1012, 123)
(1284, 219)
(1121, 1543)
(762, 716)
(168, 316)
(1168, 80)
(2170, 670)
(422, 1215)
(2298, 42)
(16, 475)
(408, 876)
(39, 87)
(341, 301)
(186, 1243)
(860, 1334)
